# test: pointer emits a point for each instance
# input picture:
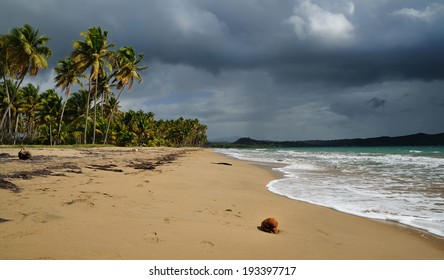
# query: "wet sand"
(164, 203)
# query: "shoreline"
(187, 208)
(280, 175)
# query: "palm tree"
(49, 111)
(18, 107)
(8, 94)
(75, 113)
(92, 54)
(31, 98)
(67, 76)
(112, 107)
(5, 50)
(103, 91)
(29, 51)
(127, 70)
(127, 67)
(24, 51)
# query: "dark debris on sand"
(2, 220)
(58, 169)
(105, 167)
(5, 155)
(148, 165)
(27, 175)
(6, 185)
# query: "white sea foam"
(403, 185)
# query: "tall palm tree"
(24, 52)
(92, 53)
(127, 70)
(67, 76)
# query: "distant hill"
(224, 140)
(420, 139)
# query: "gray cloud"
(297, 69)
(376, 102)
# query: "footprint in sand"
(207, 244)
(79, 200)
(44, 217)
(21, 234)
(168, 220)
(89, 194)
(152, 237)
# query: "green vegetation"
(102, 74)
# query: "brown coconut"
(270, 225)
(24, 154)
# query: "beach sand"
(164, 203)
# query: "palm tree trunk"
(95, 111)
(4, 116)
(16, 127)
(50, 134)
(109, 124)
(8, 108)
(61, 118)
(86, 115)
(111, 117)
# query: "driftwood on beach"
(222, 163)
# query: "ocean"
(401, 184)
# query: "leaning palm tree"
(127, 70)
(127, 67)
(24, 52)
(67, 76)
(92, 54)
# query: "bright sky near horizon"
(276, 70)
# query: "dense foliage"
(89, 115)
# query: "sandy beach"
(165, 203)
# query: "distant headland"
(419, 139)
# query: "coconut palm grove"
(100, 72)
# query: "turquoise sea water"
(402, 184)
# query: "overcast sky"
(277, 70)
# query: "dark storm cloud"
(264, 68)
(376, 102)
(283, 39)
